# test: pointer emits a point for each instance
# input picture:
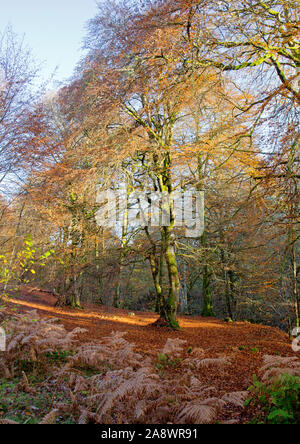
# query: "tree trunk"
(295, 286)
(156, 275)
(117, 293)
(171, 304)
(207, 308)
(184, 292)
(99, 275)
(170, 298)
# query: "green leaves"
(280, 417)
(47, 254)
(278, 403)
(28, 241)
(14, 268)
(164, 361)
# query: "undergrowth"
(49, 377)
(278, 403)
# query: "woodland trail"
(245, 344)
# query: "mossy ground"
(29, 408)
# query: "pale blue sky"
(53, 29)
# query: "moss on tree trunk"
(207, 309)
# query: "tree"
(17, 75)
(162, 104)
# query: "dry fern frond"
(236, 398)
(84, 417)
(142, 384)
(50, 418)
(275, 366)
(230, 422)
(276, 373)
(113, 350)
(196, 385)
(24, 384)
(196, 389)
(196, 413)
(203, 411)
(80, 384)
(173, 347)
(30, 336)
(214, 362)
(6, 372)
(216, 403)
(279, 361)
(8, 422)
(195, 356)
(162, 414)
(198, 353)
(140, 410)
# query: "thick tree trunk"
(184, 292)
(168, 301)
(77, 291)
(233, 298)
(207, 307)
(171, 304)
(117, 292)
(99, 275)
(71, 293)
(156, 275)
(295, 286)
(229, 285)
(207, 304)
(230, 297)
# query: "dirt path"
(243, 342)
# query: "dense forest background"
(171, 95)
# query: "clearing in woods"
(245, 343)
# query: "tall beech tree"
(17, 100)
(173, 95)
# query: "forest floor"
(247, 341)
(244, 343)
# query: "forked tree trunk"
(168, 299)
(169, 312)
(156, 275)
